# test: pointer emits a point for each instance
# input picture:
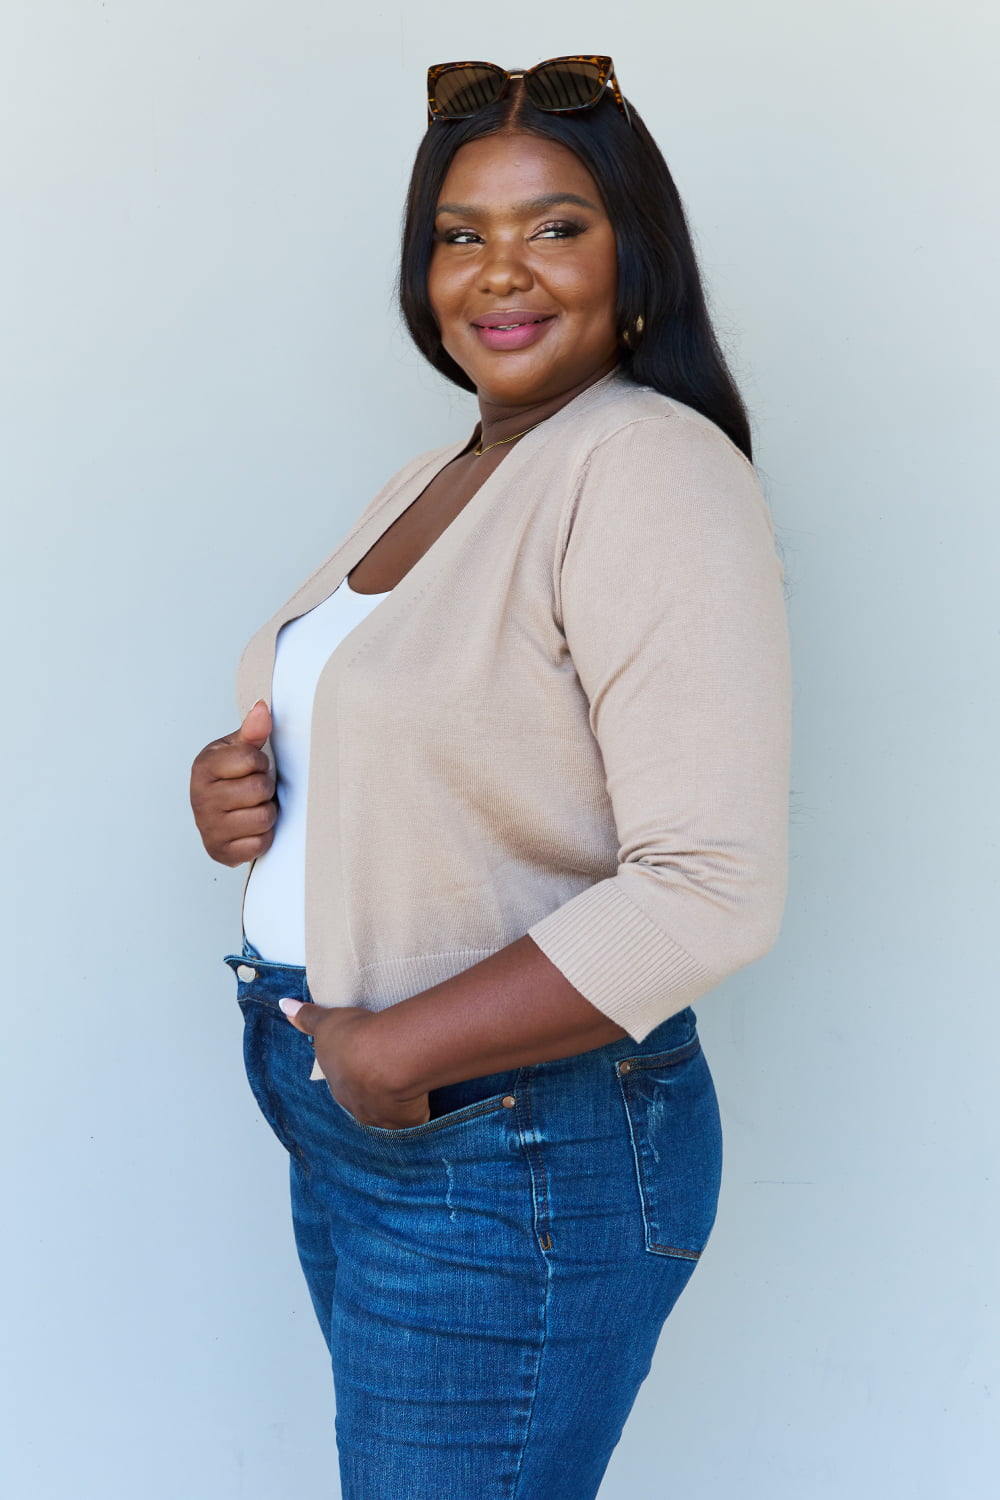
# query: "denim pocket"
(429, 1127)
(673, 1118)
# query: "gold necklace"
(479, 450)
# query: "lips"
(508, 317)
(512, 327)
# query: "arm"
(511, 1009)
(673, 612)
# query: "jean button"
(245, 973)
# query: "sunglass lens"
(463, 91)
(565, 85)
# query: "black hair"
(677, 352)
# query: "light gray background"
(204, 382)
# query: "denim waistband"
(273, 981)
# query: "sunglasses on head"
(559, 86)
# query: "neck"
(498, 421)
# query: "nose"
(503, 268)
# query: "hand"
(346, 1041)
(232, 792)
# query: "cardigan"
(571, 718)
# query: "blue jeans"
(492, 1284)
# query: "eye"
(561, 229)
(459, 236)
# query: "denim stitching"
(409, 1132)
(281, 1127)
(641, 1064)
(538, 1378)
(673, 1251)
(536, 1166)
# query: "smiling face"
(523, 275)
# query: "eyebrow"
(529, 206)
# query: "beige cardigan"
(571, 718)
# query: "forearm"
(511, 1009)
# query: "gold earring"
(636, 329)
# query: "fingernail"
(290, 1007)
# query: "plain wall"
(204, 380)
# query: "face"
(523, 274)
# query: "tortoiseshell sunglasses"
(560, 86)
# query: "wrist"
(374, 1057)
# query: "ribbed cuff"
(612, 953)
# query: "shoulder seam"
(692, 419)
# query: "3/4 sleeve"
(674, 616)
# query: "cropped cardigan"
(571, 718)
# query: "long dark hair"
(677, 352)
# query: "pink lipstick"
(512, 327)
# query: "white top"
(274, 904)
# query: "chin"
(506, 377)
(513, 392)
(517, 387)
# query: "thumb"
(302, 1015)
(256, 726)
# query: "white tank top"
(274, 903)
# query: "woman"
(531, 734)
